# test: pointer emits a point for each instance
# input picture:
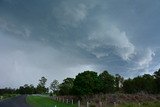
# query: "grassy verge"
(39, 101)
(6, 96)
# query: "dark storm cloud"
(57, 39)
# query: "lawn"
(40, 101)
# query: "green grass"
(39, 101)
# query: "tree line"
(28, 89)
(90, 82)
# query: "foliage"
(65, 88)
(145, 83)
(157, 80)
(30, 89)
(54, 86)
(89, 82)
(27, 89)
(42, 81)
(7, 91)
(118, 82)
(128, 86)
(107, 82)
(86, 83)
(41, 89)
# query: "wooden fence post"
(79, 103)
(115, 105)
(67, 101)
(87, 104)
(100, 104)
(72, 101)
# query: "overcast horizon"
(61, 38)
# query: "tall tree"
(118, 82)
(157, 80)
(42, 81)
(145, 83)
(128, 86)
(54, 86)
(86, 83)
(107, 82)
(41, 89)
(65, 88)
(26, 89)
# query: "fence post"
(63, 100)
(100, 104)
(115, 104)
(72, 101)
(139, 104)
(79, 103)
(87, 104)
(67, 101)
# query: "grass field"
(39, 101)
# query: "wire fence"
(78, 103)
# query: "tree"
(118, 82)
(26, 89)
(145, 83)
(41, 89)
(32, 89)
(149, 83)
(128, 86)
(42, 81)
(65, 88)
(54, 86)
(107, 82)
(7, 91)
(86, 83)
(157, 80)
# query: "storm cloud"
(60, 38)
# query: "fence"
(87, 104)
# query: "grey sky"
(60, 38)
